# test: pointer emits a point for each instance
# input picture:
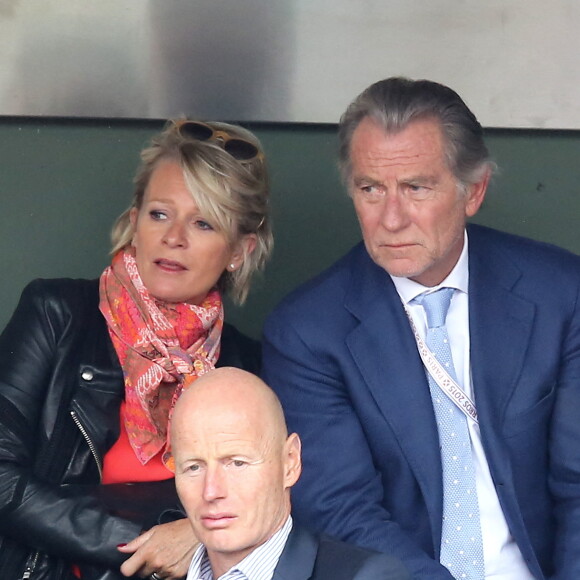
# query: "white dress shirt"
(503, 559)
(257, 565)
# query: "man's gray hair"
(396, 102)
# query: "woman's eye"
(157, 215)
(203, 225)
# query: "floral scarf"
(162, 348)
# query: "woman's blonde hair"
(232, 194)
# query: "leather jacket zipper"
(89, 442)
(30, 565)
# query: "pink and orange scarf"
(162, 348)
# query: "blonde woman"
(91, 369)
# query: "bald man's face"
(233, 473)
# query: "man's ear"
(292, 460)
(476, 194)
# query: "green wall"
(63, 182)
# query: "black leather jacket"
(61, 386)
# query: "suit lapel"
(385, 353)
(500, 326)
(298, 557)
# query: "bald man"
(234, 467)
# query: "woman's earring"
(232, 267)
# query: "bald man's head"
(231, 389)
(234, 463)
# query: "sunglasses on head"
(238, 148)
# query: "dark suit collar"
(385, 352)
(298, 557)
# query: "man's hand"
(166, 549)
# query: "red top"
(120, 464)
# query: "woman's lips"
(170, 265)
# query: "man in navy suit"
(234, 466)
(349, 356)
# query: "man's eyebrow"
(360, 179)
(187, 458)
(422, 179)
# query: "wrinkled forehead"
(373, 147)
(413, 128)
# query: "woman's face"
(180, 257)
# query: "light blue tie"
(461, 543)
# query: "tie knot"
(436, 305)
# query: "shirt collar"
(257, 565)
(458, 278)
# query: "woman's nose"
(175, 235)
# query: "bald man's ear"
(292, 460)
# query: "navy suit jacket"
(341, 355)
(310, 557)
